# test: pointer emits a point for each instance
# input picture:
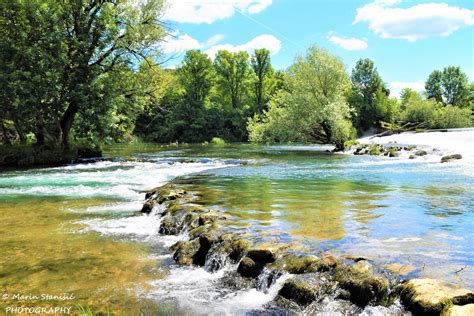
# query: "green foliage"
(59, 60)
(369, 97)
(434, 114)
(313, 109)
(449, 86)
(217, 141)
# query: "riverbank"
(35, 156)
(300, 281)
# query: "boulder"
(451, 157)
(412, 157)
(393, 154)
(262, 255)
(306, 288)
(185, 251)
(421, 152)
(432, 297)
(363, 287)
(249, 268)
(171, 225)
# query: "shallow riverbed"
(75, 229)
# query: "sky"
(407, 39)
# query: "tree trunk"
(6, 139)
(20, 133)
(66, 123)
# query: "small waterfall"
(266, 279)
(215, 261)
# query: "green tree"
(233, 72)
(66, 51)
(450, 86)
(262, 67)
(368, 95)
(196, 76)
(313, 108)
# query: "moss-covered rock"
(298, 264)
(448, 158)
(330, 259)
(171, 225)
(185, 251)
(364, 287)
(249, 268)
(262, 255)
(421, 152)
(432, 297)
(306, 288)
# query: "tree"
(66, 49)
(313, 108)
(233, 72)
(367, 89)
(434, 86)
(450, 86)
(262, 67)
(196, 76)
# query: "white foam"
(455, 141)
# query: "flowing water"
(76, 229)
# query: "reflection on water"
(313, 208)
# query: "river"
(76, 228)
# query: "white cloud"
(176, 43)
(208, 11)
(349, 43)
(269, 42)
(413, 23)
(396, 87)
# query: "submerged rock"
(451, 157)
(432, 297)
(330, 259)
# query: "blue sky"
(407, 39)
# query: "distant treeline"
(88, 72)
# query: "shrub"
(217, 141)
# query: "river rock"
(249, 268)
(432, 297)
(330, 259)
(262, 255)
(232, 246)
(148, 206)
(459, 310)
(421, 152)
(185, 251)
(298, 264)
(306, 288)
(451, 157)
(171, 225)
(364, 287)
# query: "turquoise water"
(396, 212)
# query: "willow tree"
(313, 108)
